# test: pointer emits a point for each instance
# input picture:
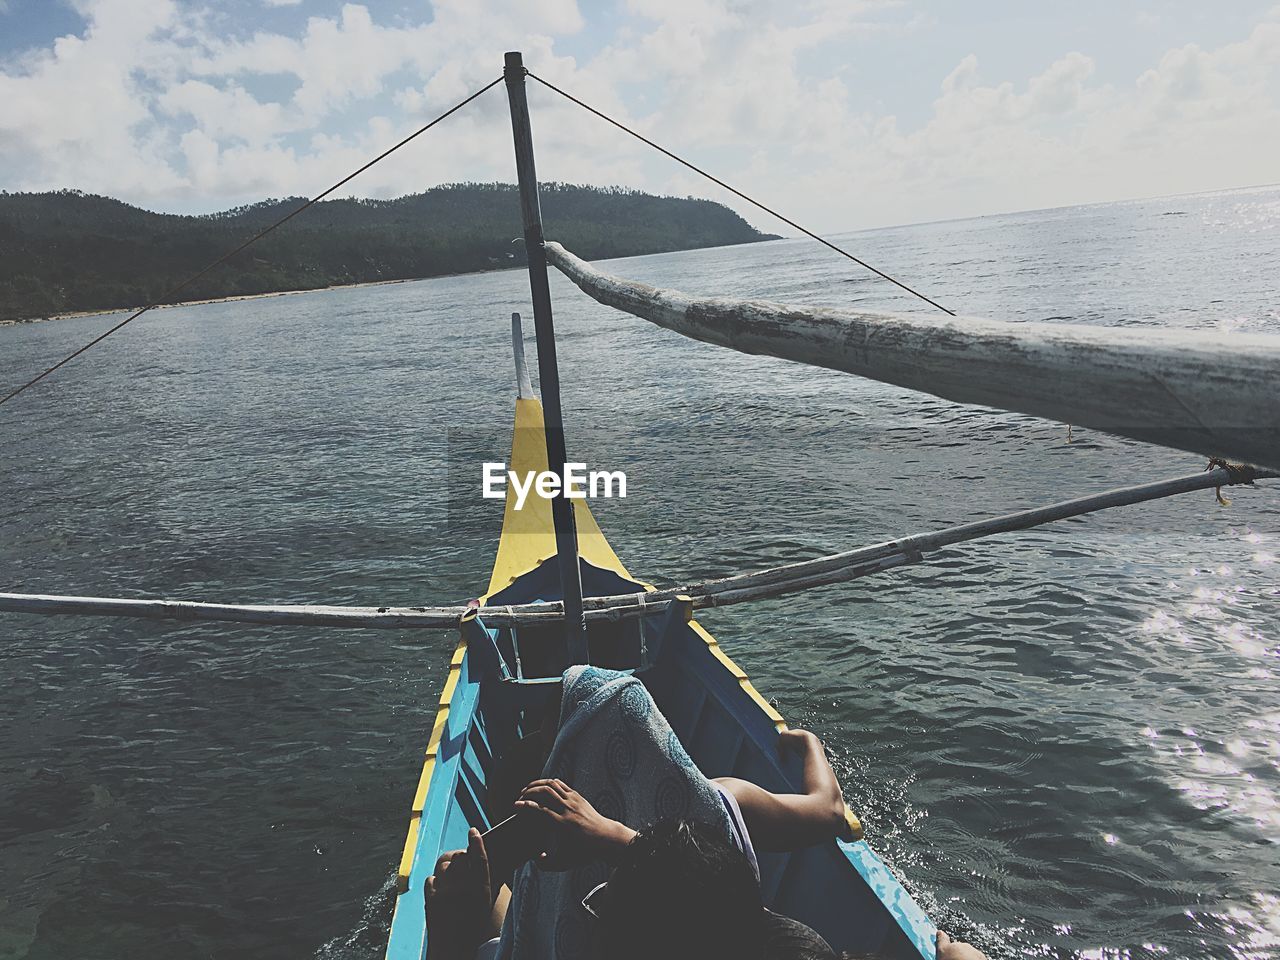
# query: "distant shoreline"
(231, 299)
(75, 253)
(74, 314)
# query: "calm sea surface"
(1067, 741)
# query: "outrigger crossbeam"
(758, 585)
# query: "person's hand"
(949, 949)
(582, 834)
(458, 901)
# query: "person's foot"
(459, 902)
(949, 949)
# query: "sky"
(843, 114)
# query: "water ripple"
(1066, 740)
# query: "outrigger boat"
(503, 681)
(1194, 391)
(504, 678)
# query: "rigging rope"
(168, 297)
(739, 193)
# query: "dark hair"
(683, 890)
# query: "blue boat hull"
(503, 684)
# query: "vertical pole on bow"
(548, 374)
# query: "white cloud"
(1197, 119)
(226, 112)
(336, 61)
(78, 104)
(153, 103)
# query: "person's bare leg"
(499, 912)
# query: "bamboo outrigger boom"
(1212, 393)
(757, 585)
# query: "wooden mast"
(548, 373)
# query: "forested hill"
(68, 251)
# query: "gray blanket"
(619, 752)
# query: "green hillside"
(68, 251)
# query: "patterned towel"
(619, 752)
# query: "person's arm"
(789, 821)
(582, 834)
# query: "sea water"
(1067, 740)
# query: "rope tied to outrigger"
(1238, 472)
